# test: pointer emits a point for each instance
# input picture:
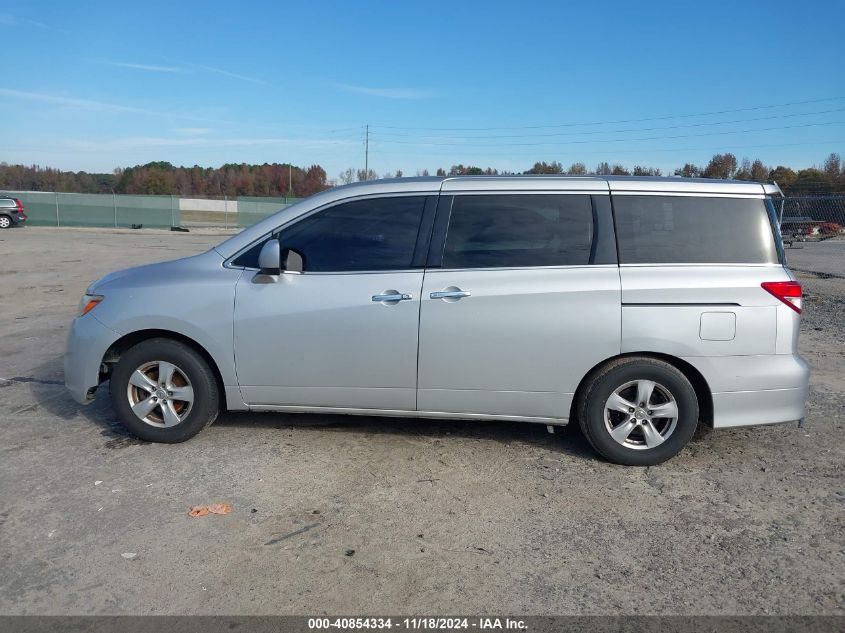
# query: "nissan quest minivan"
(639, 307)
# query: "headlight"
(88, 303)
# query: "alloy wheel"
(641, 414)
(160, 394)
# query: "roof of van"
(663, 184)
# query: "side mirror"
(270, 258)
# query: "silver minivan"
(637, 306)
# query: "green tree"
(688, 171)
(721, 166)
(546, 168)
(646, 171)
(783, 176)
(811, 181)
(759, 172)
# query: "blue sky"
(96, 85)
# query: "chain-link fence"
(813, 229)
(251, 210)
(126, 211)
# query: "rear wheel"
(5, 221)
(164, 391)
(638, 411)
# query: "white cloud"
(86, 104)
(147, 142)
(227, 73)
(155, 69)
(193, 131)
(8, 18)
(386, 93)
(90, 104)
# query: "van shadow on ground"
(49, 394)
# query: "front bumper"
(87, 343)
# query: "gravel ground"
(826, 257)
(374, 515)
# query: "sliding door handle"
(450, 294)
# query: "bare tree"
(347, 176)
(832, 166)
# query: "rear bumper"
(752, 390)
(749, 408)
(87, 342)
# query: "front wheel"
(164, 391)
(638, 411)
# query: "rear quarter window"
(693, 230)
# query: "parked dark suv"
(11, 212)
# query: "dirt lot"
(375, 516)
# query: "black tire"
(204, 407)
(5, 221)
(591, 410)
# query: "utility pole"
(290, 182)
(367, 152)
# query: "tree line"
(286, 180)
(825, 180)
(162, 178)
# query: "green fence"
(84, 209)
(252, 210)
(123, 211)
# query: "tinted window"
(690, 230)
(375, 234)
(519, 230)
(249, 258)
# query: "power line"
(721, 148)
(587, 132)
(558, 125)
(619, 140)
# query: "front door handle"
(392, 296)
(451, 294)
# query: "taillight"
(787, 291)
(19, 205)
